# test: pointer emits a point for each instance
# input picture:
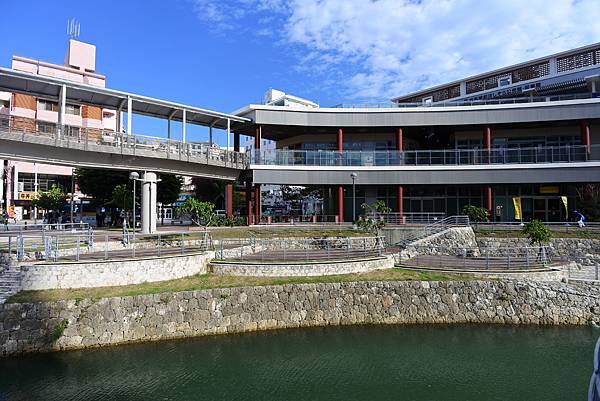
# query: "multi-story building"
(528, 131)
(22, 180)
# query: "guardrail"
(39, 227)
(450, 103)
(114, 246)
(299, 249)
(467, 258)
(441, 157)
(396, 218)
(97, 140)
(300, 219)
(434, 228)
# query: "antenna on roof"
(73, 28)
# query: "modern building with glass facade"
(530, 130)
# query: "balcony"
(446, 157)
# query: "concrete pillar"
(1, 185)
(63, 107)
(257, 139)
(340, 204)
(585, 136)
(149, 203)
(340, 140)
(249, 201)
(229, 200)
(129, 115)
(183, 124)
(257, 205)
(489, 203)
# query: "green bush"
(537, 232)
(476, 213)
(224, 221)
(201, 213)
(59, 329)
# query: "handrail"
(94, 139)
(434, 228)
(432, 157)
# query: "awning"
(42, 86)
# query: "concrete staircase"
(10, 283)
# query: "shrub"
(537, 232)
(201, 213)
(476, 213)
(59, 329)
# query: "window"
(428, 100)
(72, 132)
(47, 105)
(5, 103)
(504, 81)
(46, 128)
(74, 109)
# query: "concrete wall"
(301, 269)
(112, 273)
(89, 323)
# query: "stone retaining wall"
(111, 273)
(88, 323)
(301, 269)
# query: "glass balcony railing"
(446, 157)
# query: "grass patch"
(206, 281)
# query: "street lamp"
(135, 177)
(353, 176)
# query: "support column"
(340, 140)
(257, 140)
(129, 104)
(210, 135)
(249, 201)
(183, 118)
(585, 136)
(399, 140)
(228, 134)
(340, 204)
(63, 106)
(489, 203)
(487, 142)
(148, 203)
(400, 201)
(229, 200)
(257, 204)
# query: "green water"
(346, 363)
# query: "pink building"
(21, 180)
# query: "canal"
(335, 363)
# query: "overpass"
(21, 139)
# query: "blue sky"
(224, 54)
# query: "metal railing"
(39, 227)
(299, 249)
(98, 140)
(300, 219)
(395, 218)
(442, 157)
(75, 247)
(450, 103)
(475, 258)
(434, 228)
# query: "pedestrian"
(580, 219)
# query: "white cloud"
(377, 49)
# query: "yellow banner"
(26, 195)
(565, 202)
(518, 210)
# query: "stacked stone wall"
(90, 323)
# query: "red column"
(487, 141)
(340, 140)
(257, 137)
(229, 200)
(257, 205)
(488, 200)
(340, 204)
(399, 140)
(249, 201)
(585, 136)
(401, 202)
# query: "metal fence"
(396, 218)
(475, 258)
(434, 228)
(41, 227)
(441, 157)
(81, 246)
(299, 249)
(93, 139)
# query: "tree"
(168, 188)
(201, 213)
(537, 232)
(371, 222)
(588, 199)
(209, 190)
(476, 213)
(51, 200)
(121, 197)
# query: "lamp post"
(353, 176)
(134, 176)
(160, 213)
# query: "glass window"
(74, 109)
(46, 128)
(5, 103)
(47, 105)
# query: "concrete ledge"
(555, 273)
(301, 268)
(111, 273)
